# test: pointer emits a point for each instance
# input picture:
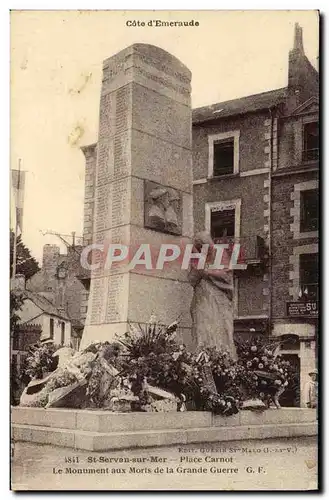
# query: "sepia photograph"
(164, 250)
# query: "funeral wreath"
(148, 369)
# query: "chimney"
(50, 259)
(18, 283)
(296, 59)
(298, 39)
(303, 81)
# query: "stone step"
(104, 421)
(99, 441)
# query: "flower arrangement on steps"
(147, 369)
(265, 374)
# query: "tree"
(16, 302)
(25, 263)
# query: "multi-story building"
(255, 165)
(294, 194)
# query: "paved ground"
(281, 464)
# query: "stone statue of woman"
(211, 307)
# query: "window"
(308, 272)
(224, 157)
(222, 218)
(62, 333)
(51, 327)
(223, 153)
(309, 210)
(222, 224)
(311, 141)
(305, 211)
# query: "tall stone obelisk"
(143, 189)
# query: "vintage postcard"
(164, 245)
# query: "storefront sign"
(306, 309)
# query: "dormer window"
(311, 141)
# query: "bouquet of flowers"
(40, 360)
(152, 353)
(163, 405)
(215, 373)
(265, 374)
(104, 372)
(207, 380)
(219, 404)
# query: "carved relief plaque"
(162, 208)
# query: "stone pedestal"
(143, 190)
(104, 431)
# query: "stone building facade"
(58, 281)
(295, 217)
(255, 166)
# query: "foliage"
(154, 355)
(219, 404)
(40, 360)
(25, 263)
(63, 378)
(104, 370)
(16, 303)
(41, 401)
(219, 379)
(14, 384)
(211, 380)
(164, 405)
(152, 338)
(265, 372)
(150, 355)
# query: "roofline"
(57, 315)
(236, 113)
(242, 97)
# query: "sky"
(56, 69)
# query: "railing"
(310, 154)
(252, 248)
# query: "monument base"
(98, 430)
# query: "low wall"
(102, 430)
